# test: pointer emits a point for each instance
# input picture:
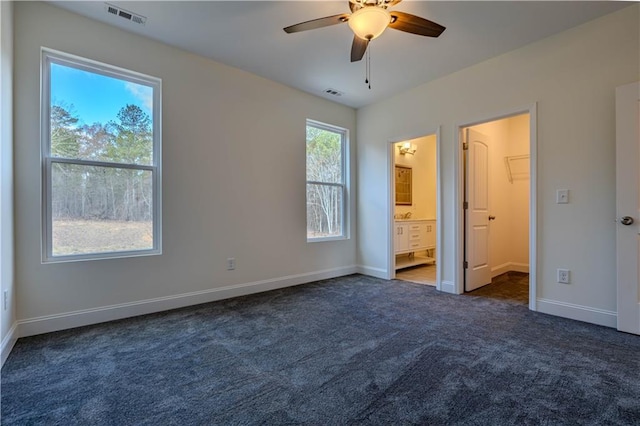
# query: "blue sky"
(94, 97)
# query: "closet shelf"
(517, 167)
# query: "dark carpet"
(352, 350)
(509, 287)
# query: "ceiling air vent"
(125, 14)
(333, 92)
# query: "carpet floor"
(350, 350)
(508, 287)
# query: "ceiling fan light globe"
(369, 22)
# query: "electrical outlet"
(564, 276)
(231, 264)
(5, 299)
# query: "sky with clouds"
(95, 98)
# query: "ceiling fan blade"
(358, 48)
(415, 25)
(317, 23)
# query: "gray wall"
(233, 182)
(572, 76)
(7, 282)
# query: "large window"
(100, 160)
(326, 182)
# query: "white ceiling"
(248, 35)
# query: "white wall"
(572, 77)
(509, 201)
(233, 182)
(518, 192)
(7, 282)
(423, 167)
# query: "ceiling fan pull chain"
(366, 68)
(369, 61)
(367, 79)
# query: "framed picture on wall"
(403, 185)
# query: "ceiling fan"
(368, 19)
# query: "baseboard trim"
(8, 343)
(373, 272)
(509, 266)
(520, 267)
(49, 323)
(578, 312)
(447, 287)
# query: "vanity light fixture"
(407, 148)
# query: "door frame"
(533, 194)
(391, 257)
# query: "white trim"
(508, 267)
(533, 206)
(439, 210)
(391, 256)
(47, 58)
(345, 213)
(8, 343)
(373, 272)
(391, 208)
(458, 200)
(578, 312)
(500, 269)
(49, 323)
(520, 267)
(448, 287)
(533, 194)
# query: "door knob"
(492, 217)
(626, 220)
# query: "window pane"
(95, 117)
(324, 211)
(324, 155)
(100, 209)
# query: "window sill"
(321, 239)
(99, 256)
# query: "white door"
(628, 206)
(478, 270)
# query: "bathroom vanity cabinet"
(414, 236)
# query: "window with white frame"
(100, 160)
(326, 182)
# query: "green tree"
(133, 141)
(94, 140)
(64, 132)
(107, 193)
(64, 143)
(324, 164)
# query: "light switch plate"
(562, 196)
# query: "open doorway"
(496, 208)
(415, 206)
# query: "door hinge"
(465, 146)
(465, 205)
(465, 264)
